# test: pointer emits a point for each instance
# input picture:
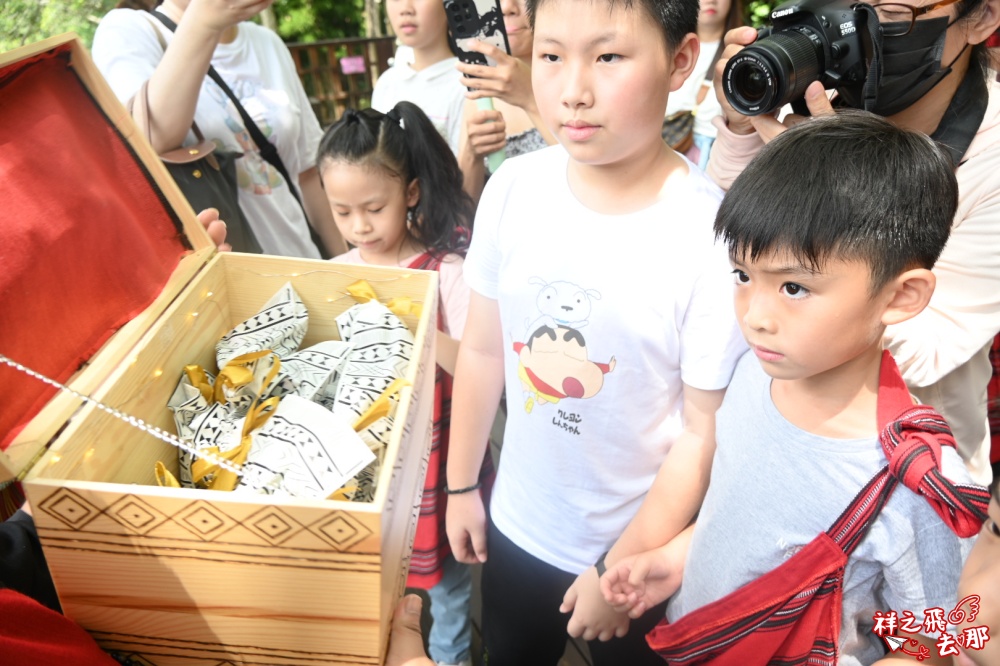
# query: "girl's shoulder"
(450, 269)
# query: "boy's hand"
(592, 617)
(465, 521)
(487, 132)
(510, 80)
(637, 583)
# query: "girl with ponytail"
(395, 189)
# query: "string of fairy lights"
(208, 300)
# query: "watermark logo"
(892, 627)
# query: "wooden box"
(173, 576)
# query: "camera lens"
(774, 71)
(752, 83)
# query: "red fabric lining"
(36, 635)
(88, 242)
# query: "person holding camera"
(935, 76)
(514, 125)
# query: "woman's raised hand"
(487, 131)
(510, 80)
(218, 15)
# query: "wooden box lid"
(97, 239)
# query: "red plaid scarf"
(791, 615)
(430, 544)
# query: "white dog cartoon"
(563, 304)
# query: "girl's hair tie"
(351, 116)
(394, 116)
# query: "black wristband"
(462, 491)
(599, 564)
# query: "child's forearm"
(680, 485)
(446, 350)
(479, 381)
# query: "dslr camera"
(809, 40)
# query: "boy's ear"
(908, 295)
(684, 58)
(413, 193)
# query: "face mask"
(910, 66)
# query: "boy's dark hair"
(675, 17)
(405, 144)
(851, 186)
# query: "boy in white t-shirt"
(427, 77)
(601, 302)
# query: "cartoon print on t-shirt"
(562, 303)
(553, 363)
(253, 172)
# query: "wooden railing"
(340, 73)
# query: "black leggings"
(522, 625)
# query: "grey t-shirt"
(775, 487)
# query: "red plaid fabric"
(430, 544)
(791, 615)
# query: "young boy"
(427, 77)
(832, 233)
(601, 302)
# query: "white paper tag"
(304, 450)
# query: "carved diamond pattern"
(341, 530)
(204, 520)
(272, 525)
(69, 508)
(136, 515)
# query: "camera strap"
(873, 34)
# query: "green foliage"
(759, 12)
(313, 20)
(26, 21)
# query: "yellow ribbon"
(236, 373)
(380, 407)
(164, 477)
(223, 479)
(400, 306)
(199, 379)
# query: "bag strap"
(266, 149)
(706, 83)
(912, 440)
(911, 437)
